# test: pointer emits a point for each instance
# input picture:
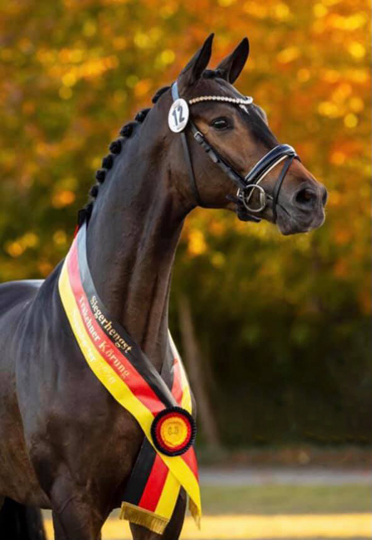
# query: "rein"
(246, 184)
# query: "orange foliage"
(72, 71)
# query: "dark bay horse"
(65, 443)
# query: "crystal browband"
(238, 101)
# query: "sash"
(161, 404)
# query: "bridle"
(248, 184)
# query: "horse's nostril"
(324, 196)
(306, 197)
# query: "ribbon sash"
(128, 375)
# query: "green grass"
(286, 499)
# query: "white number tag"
(178, 115)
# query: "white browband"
(238, 101)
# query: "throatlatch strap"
(186, 151)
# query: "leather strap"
(186, 151)
(267, 161)
(279, 183)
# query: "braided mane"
(115, 148)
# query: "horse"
(65, 443)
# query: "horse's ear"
(232, 65)
(194, 69)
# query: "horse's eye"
(221, 124)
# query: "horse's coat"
(65, 444)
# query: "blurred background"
(280, 359)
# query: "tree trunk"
(195, 372)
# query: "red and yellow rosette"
(173, 431)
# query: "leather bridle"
(246, 184)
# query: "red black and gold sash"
(161, 404)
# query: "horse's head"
(232, 158)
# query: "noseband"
(248, 184)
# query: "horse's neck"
(132, 239)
